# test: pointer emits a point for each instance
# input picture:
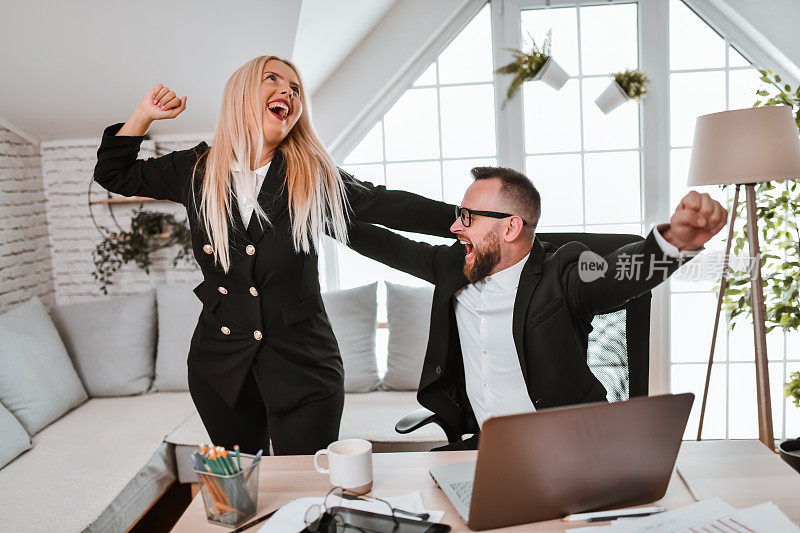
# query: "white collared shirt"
(484, 314)
(245, 207)
(492, 370)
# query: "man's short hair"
(516, 189)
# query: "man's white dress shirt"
(484, 313)
(245, 207)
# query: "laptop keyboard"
(463, 490)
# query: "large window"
(427, 142)
(585, 164)
(589, 167)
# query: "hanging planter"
(552, 74)
(627, 85)
(537, 64)
(150, 231)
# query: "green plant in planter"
(150, 231)
(632, 82)
(792, 389)
(777, 211)
(526, 65)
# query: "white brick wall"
(67, 169)
(25, 266)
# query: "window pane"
(370, 173)
(692, 43)
(608, 38)
(692, 378)
(612, 187)
(469, 57)
(691, 95)
(467, 121)
(735, 59)
(558, 180)
(552, 118)
(558, 229)
(356, 270)
(457, 177)
(422, 178)
(793, 345)
(632, 229)
(792, 429)
(679, 175)
(428, 77)
(617, 130)
(743, 416)
(412, 126)
(776, 397)
(564, 23)
(743, 87)
(691, 326)
(742, 343)
(370, 149)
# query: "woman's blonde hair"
(317, 200)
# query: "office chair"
(619, 345)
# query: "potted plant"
(628, 85)
(538, 64)
(790, 448)
(150, 231)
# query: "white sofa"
(125, 425)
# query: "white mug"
(349, 464)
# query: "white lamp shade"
(745, 146)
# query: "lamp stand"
(765, 430)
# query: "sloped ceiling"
(328, 31)
(70, 68)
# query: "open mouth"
(279, 108)
(469, 250)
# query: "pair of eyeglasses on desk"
(328, 517)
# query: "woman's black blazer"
(266, 312)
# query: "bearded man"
(511, 315)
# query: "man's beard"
(487, 256)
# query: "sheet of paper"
(291, 517)
(706, 515)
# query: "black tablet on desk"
(356, 520)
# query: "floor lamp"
(746, 147)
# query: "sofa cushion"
(95, 468)
(38, 383)
(15, 439)
(353, 314)
(409, 314)
(178, 309)
(112, 342)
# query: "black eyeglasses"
(324, 517)
(465, 214)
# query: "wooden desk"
(744, 473)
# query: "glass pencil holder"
(231, 500)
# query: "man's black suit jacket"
(552, 317)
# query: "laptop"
(555, 462)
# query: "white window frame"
(653, 37)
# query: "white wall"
(25, 267)
(777, 20)
(388, 49)
(69, 68)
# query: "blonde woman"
(264, 364)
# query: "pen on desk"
(602, 516)
(608, 518)
(254, 522)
